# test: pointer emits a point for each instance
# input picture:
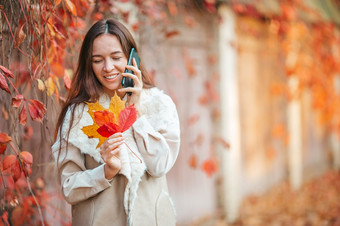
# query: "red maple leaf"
(105, 120)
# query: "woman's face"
(108, 62)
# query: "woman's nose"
(108, 66)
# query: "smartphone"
(126, 81)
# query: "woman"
(108, 185)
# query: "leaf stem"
(4, 185)
(30, 188)
(14, 148)
(35, 200)
(133, 152)
(9, 26)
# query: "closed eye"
(96, 61)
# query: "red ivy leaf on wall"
(193, 119)
(67, 82)
(193, 161)
(223, 142)
(57, 2)
(19, 36)
(4, 139)
(189, 65)
(11, 163)
(171, 34)
(4, 218)
(17, 100)
(3, 83)
(36, 110)
(71, 7)
(210, 166)
(6, 72)
(23, 115)
(27, 161)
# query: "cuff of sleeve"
(99, 175)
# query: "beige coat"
(138, 195)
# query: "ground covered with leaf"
(317, 202)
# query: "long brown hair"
(85, 85)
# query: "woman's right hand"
(110, 153)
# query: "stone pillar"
(295, 137)
(230, 163)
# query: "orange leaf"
(170, 34)
(17, 100)
(57, 68)
(106, 120)
(4, 111)
(210, 166)
(27, 161)
(98, 16)
(36, 109)
(189, 65)
(23, 115)
(67, 81)
(71, 7)
(4, 218)
(4, 139)
(193, 161)
(224, 143)
(12, 164)
(193, 119)
(19, 36)
(199, 140)
(3, 148)
(102, 117)
(57, 2)
(172, 8)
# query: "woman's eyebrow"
(113, 53)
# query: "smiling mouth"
(111, 76)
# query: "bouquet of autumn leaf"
(107, 122)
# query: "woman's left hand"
(137, 88)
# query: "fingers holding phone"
(134, 74)
(131, 69)
(136, 89)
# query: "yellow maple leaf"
(116, 106)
